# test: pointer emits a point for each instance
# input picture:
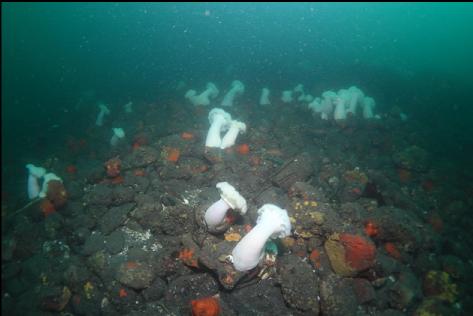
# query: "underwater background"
(414, 55)
(59, 60)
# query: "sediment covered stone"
(350, 254)
(297, 169)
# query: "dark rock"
(386, 265)
(8, 248)
(194, 168)
(183, 289)
(388, 192)
(364, 290)
(81, 235)
(96, 175)
(27, 235)
(454, 266)
(56, 250)
(72, 208)
(412, 158)
(137, 253)
(98, 194)
(426, 261)
(145, 205)
(55, 299)
(122, 195)
(297, 169)
(173, 220)
(337, 296)
(53, 225)
(140, 157)
(99, 263)
(114, 218)
(16, 286)
(307, 192)
(299, 284)
(9, 270)
(83, 305)
(136, 275)
(115, 242)
(156, 309)
(391, 312)
(140, 184)
(84, 216)
(94, 243)
(155, 291)
(8, 304)
(262, 298)
(403, 227)
(74, 190)
(32, 267)
(76, 274)
(213, 156)
(405, 291)
(272, 195)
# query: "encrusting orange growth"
(232, 237)
(117, 180)
(436, 222)
(428, 185)
(371, 229)
(404, 175)
(123, 293)
(247, 228)
(71, 169)
(139, 173)
(208, 306)
(315, 258)
(274, 152)
(359, 252)
(243, 149)
(199, 169)
(187, 257)
(47, 208)
(56, 194)
(135, 146)
(132, 265)
(172, 154)
(255, 161)
(139, 140)
(392, 250)
(230, 217)
(187, 136)
(228, 278)
(113, 167)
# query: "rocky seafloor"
(380, 224)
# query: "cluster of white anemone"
(35, 175)
(298, 93)
(221, 121)
(237, 88)
(204, 97)
(272, 222)
(118, 135)
(103, 110)
(345, 102)
(118, 132)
